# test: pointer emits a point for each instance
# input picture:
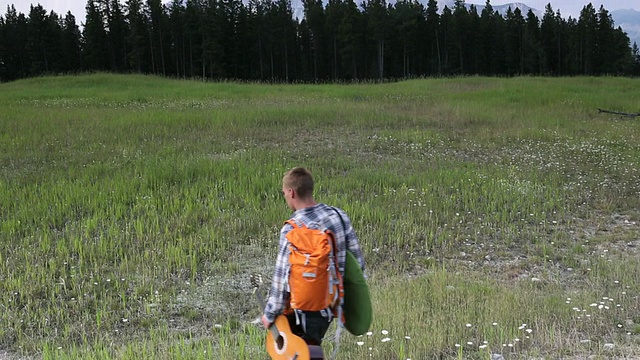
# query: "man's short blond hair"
(300, 180)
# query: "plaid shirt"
(326, 217)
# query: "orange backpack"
(315, 283)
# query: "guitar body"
(282, 344)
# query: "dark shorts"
(316, 327)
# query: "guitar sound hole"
(280, 342)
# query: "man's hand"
(265, 322)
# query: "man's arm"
(279, 294)
(353, 245)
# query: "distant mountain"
(298, 8)
(628, 16)
(629, 21)
(502, 9)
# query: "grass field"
(497, 216)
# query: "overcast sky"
(566, 7)
(59, 6)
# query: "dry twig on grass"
(618, 113)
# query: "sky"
(59, 6)
(566, 7)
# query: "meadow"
(500, 218)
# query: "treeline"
(261, 40)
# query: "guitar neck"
(273, 328)
(274, 331)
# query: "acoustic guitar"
(281, 343)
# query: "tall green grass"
(133, 208)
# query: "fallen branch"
(618, 113)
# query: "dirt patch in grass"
(226, 294)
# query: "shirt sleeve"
(279, 293)
(352, 244)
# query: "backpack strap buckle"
(327, 313)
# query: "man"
(297, 188)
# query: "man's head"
(297, 188)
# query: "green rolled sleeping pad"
(358, 312)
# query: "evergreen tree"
(351, 38)
(500, 51)
(193, 18)
(587, 25)
(447, 40)
(635, 51)
(488, 44)
(333, 16)
(622, 56)
(612, 54)
(563, 42)
(473, 41)
(342, 41)
(571, 48)
(235, 38)
(177, 31)
(14, 38)
(514, 42)
(269, 32)
(139, 52)
(408, 19)
(117, 34)
(378, 29)
(71, 44)
(305, 51)
(3, 51)
(156, 22)
(242, 49)
(53, 42)
(532, 47)
(95, 48)
(551, 31)
(431, 41)
(284, 33)
(212, 48)
(314, 18)
(38, 46)
(460, 34)
(261, 37)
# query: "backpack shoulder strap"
(294, 223)
(344, 226)
(340, 315)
